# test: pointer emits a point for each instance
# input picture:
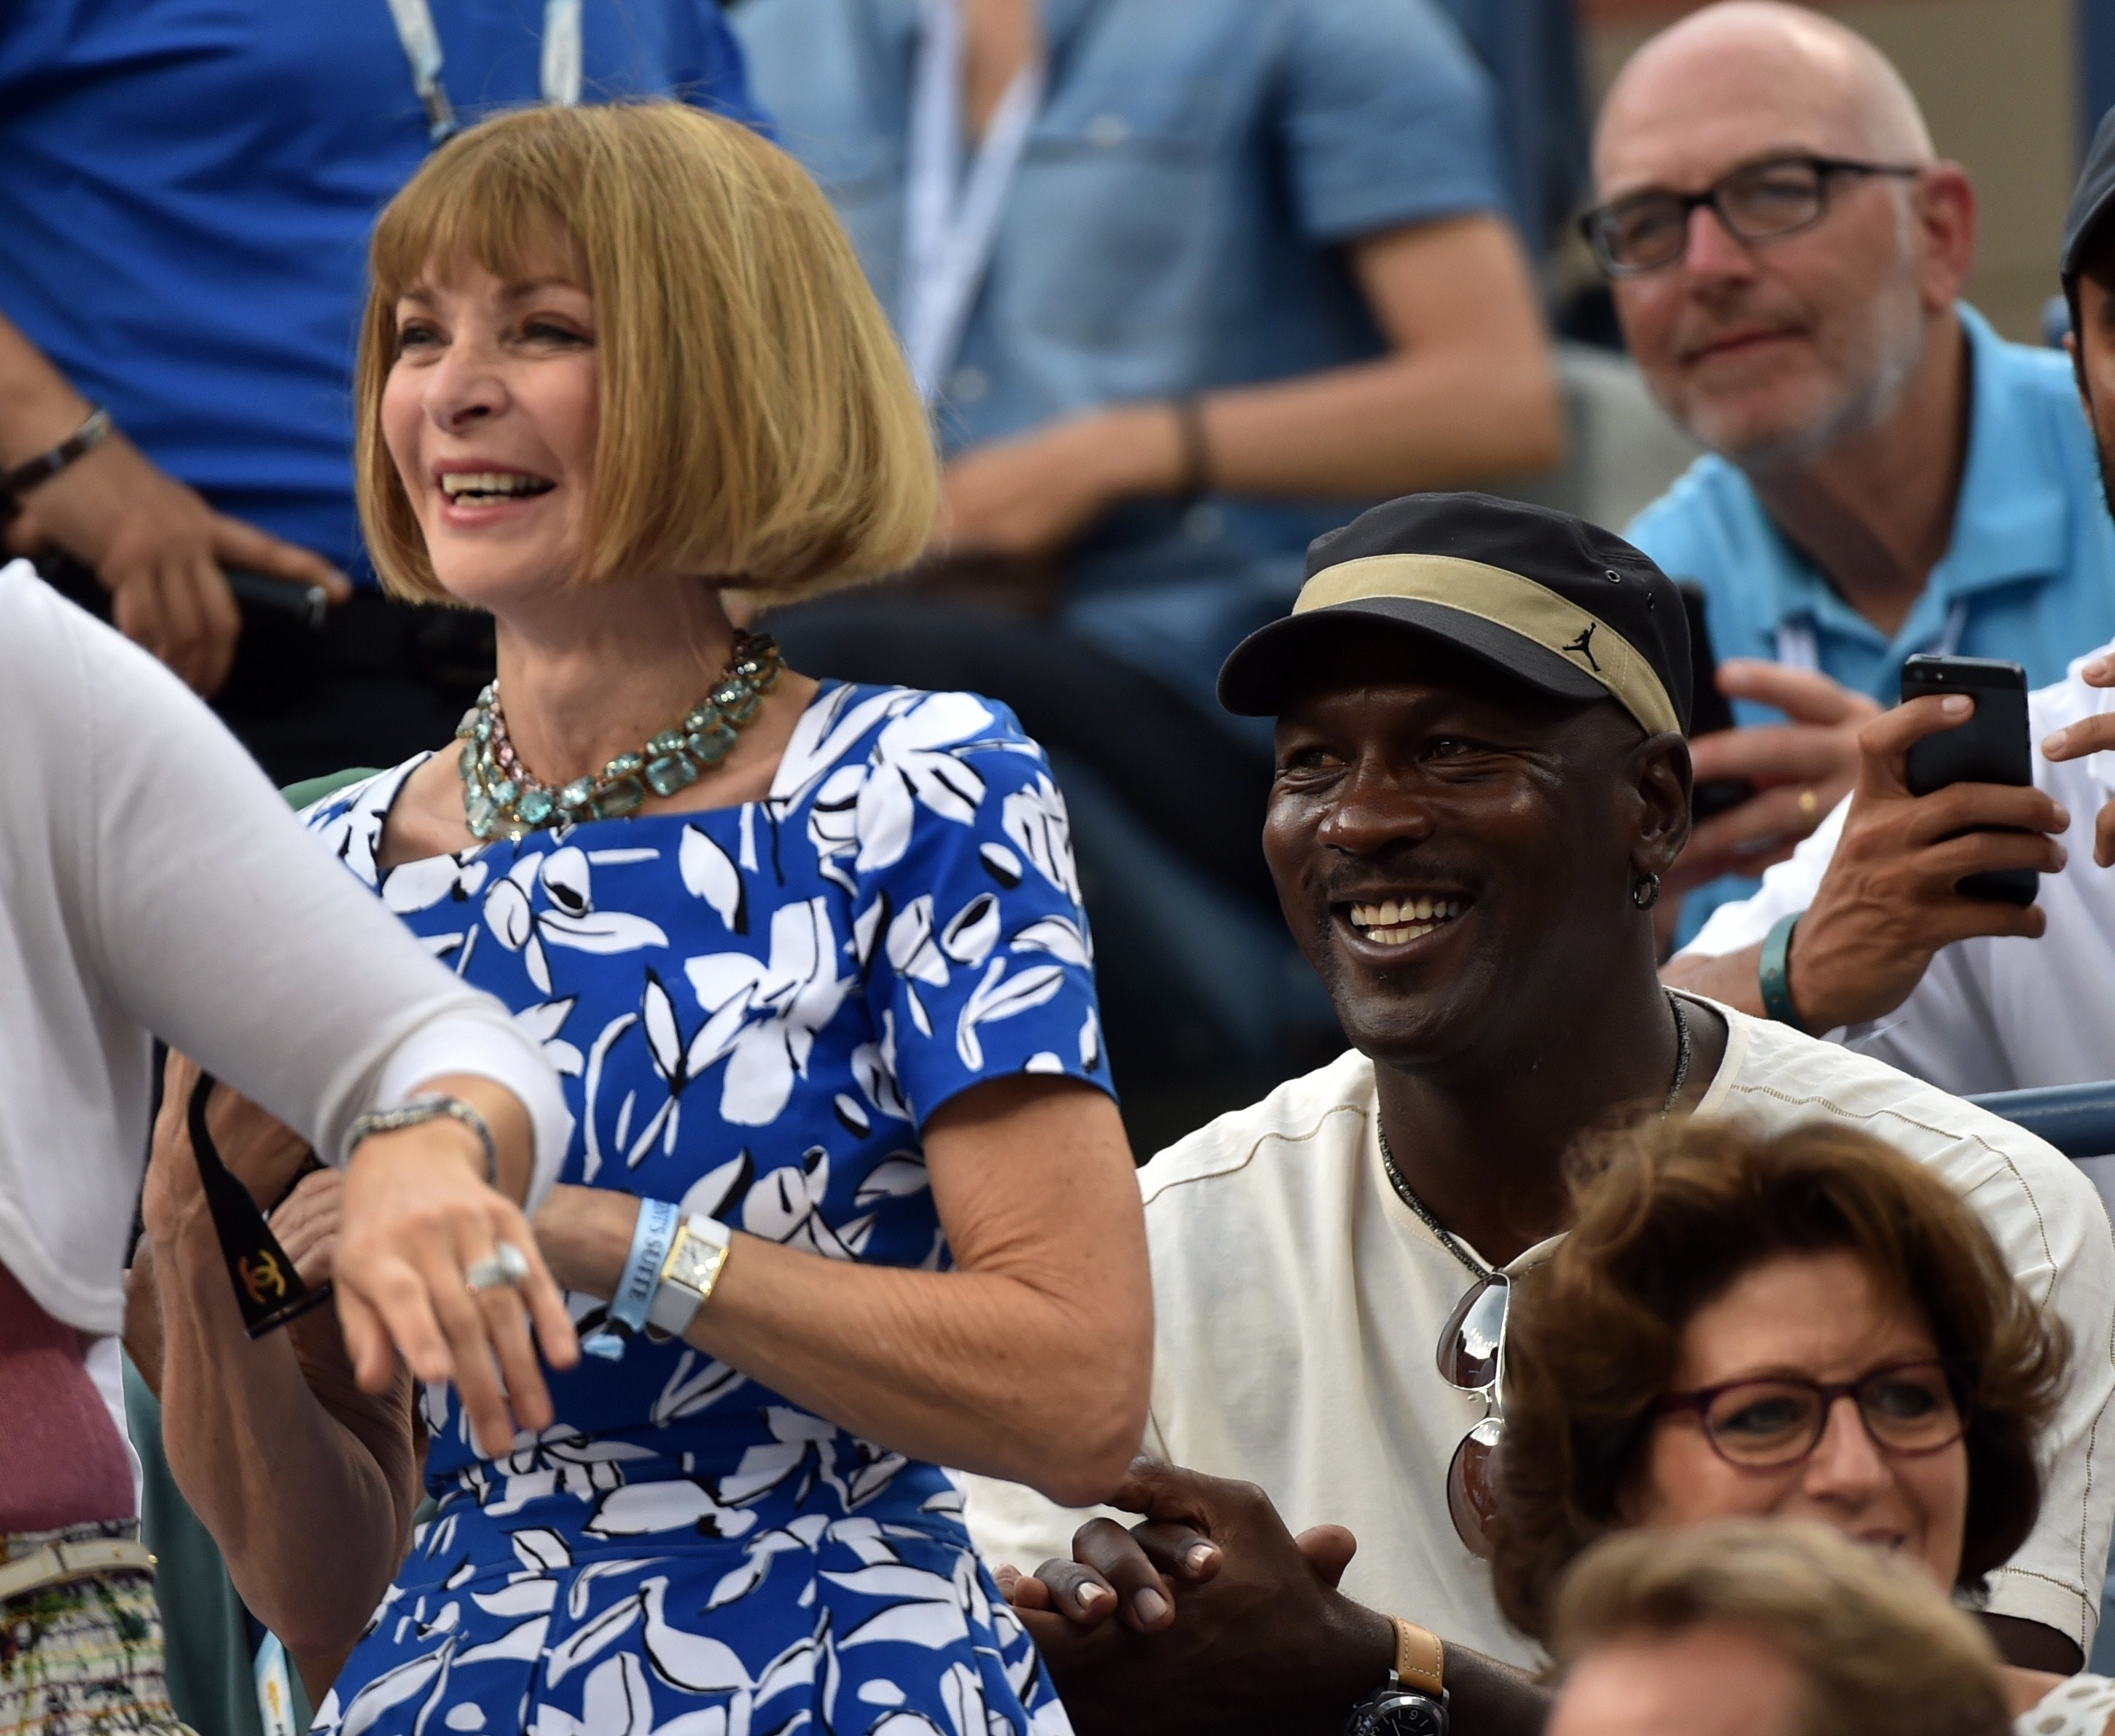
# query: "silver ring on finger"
(505, 1269)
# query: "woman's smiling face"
(1824, 1318)
(490, 412)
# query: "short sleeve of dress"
(979, 964)
(1387, 119)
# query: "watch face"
(1401, 1714)
(693, 1265)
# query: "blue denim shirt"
(1176, 225)
(2032, 564)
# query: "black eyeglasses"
(1909, 1409)
(1757, 202)
(1472, 1357)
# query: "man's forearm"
(37, 407)
(282, 1483)
(1420, 419)
(1488, 1698)
(1729, 978)
(1468, 392)
(1485, 1697)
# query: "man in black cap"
(1480, 777)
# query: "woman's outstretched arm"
(1028, 1361)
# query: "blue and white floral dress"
(754, 1009)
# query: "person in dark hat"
(1480, 777)
(2088, 253)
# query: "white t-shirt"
(1991, 1014)
(1298, 1303)
(151, 880)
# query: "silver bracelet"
(417, 1112)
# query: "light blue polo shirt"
(2029, 576)
(1177, 225)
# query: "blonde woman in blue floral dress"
(810, 959)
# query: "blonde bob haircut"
(758, 425)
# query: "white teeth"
(1392, 922)
(458, 483)
(1397, 935)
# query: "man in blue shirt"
(186, 192)
(1887, 476)
(1245, 258)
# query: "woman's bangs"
(498, 211)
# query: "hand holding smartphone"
(1992, 746)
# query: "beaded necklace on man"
(501, 796)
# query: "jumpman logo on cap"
(1583, 645)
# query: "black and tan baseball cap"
(2092, 201)
(1553, 601)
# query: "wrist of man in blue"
(1773, 972)
(651, 1240)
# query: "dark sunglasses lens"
(1472, 1497)
(1468, 1351)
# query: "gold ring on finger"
(1810, 804)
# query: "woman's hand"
(417, 1217)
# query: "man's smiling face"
(1453, 848)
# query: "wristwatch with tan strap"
(1413, 1701)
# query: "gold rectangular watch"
(693, 1267)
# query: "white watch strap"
(689, 1274)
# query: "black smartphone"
(1709, 710)
(1991, 748)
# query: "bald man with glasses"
(1884, 475)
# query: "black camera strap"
(267, 1290)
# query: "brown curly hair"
(1664, 1221)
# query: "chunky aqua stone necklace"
(503, 796)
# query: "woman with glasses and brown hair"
(1807, 1326)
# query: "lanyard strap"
(950, 220)
(1798, 648)
(560, 69)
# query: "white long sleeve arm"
(151, 880)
